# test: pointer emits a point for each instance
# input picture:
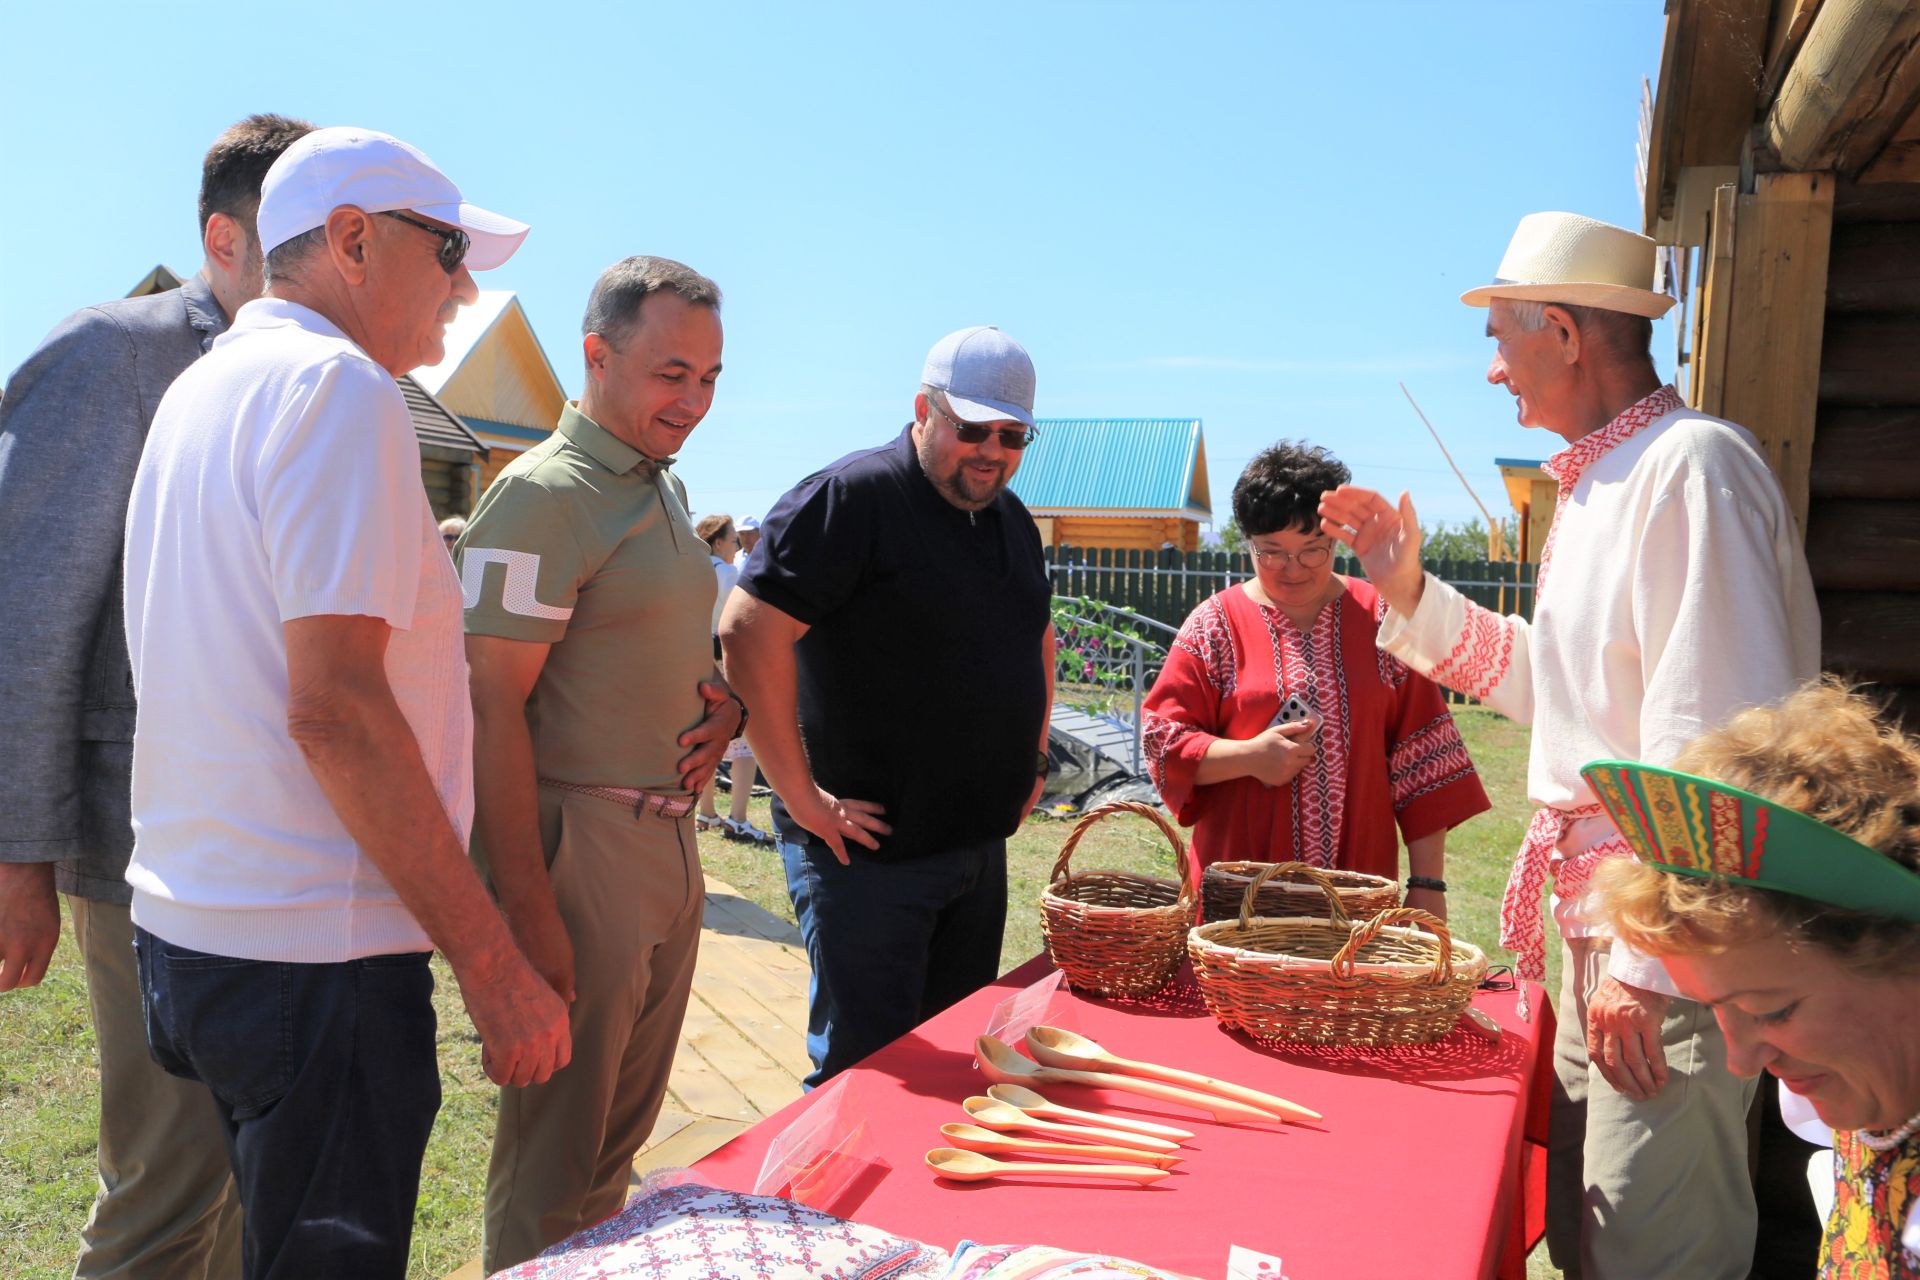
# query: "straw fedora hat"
(1563, 257)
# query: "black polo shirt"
(921, 684)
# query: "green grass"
(49, 1085)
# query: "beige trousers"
(166, 1206)
(1655, 1188)
(629, 889)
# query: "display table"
(1427, 1163)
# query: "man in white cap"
(1672, 592)
(749, 531)
(302, 782)
(893, 637)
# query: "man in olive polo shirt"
(598, 716)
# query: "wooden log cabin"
(1131, 484)
(1782, 166)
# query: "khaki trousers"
(166, 1206)
(1655, 1188)
(630, 892)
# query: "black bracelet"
(1427, 882)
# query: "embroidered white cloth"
(1673, 592)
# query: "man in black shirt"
(893, 638)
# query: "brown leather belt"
(643, 803)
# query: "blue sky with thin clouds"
(1259, 214)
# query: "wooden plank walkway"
(743, 1048)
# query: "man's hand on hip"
(1385, 538)
(710, 737)
(524, 1036)
(29, 923)
(1623, 1037)
(836, 821)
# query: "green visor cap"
(1698, 827)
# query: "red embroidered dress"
(1391, 763)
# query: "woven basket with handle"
(1114, 932)
(1223, 886)
(1330, 980)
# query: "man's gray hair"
(289, 257)
(1623, 336)
(614, 306)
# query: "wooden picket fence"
(1166, 585)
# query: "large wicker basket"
(1113, 932)
(1223, 887)
(1331, 981)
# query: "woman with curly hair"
(1277, 730)
(1778, 876)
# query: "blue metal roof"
(1120, 464)
(1516, 462)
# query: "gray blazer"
(72, 426)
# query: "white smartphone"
(1294, 710)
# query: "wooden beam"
(1855, 545)
(1875, 267)
(1899, 160)
(1791, 21)
(1858, 631)
(1776, 317)
(1708, 380)
(1854, 83)
(1710, 70)
(1866, 453)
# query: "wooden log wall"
(1863, 526)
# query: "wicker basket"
(1113, 932)
(1223, 886)
(1330, 981)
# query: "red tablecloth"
(1427, 1163)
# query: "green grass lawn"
(48, 1084)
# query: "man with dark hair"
(900, 587)
(1679, 594)
(598, 719)
(71, 429)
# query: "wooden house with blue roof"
(1126, 483)
(496, 376)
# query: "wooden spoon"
(1004, 1065)
(1057, 1047)
(971, 1137)
(971, 1166)
(1001, 1115)
(1035, 1104)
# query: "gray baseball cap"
(988, 377)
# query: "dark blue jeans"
(892, 943)
(325, 1079)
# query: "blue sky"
(1256, 214)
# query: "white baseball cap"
(988, 377)
(379, 173)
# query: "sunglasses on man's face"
(1015, 438)
(454, 242)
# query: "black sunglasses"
(454, 242)
(974, 433)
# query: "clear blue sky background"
(1256, 214)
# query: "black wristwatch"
(1427, 882)
(1046, 765)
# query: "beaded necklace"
(1887, 1140)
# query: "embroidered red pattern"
(1311, 664)
(1429, 759)
(1481, 656)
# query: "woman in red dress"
(1365, 754)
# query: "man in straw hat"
(302, 763)
(1679, 595)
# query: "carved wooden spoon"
(1001, 1115)
(971, 1166)
(1035, 1104)
(1004, 1065)
(1057, 1047)
(971, 1137)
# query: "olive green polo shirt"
(584, 544)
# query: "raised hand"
(1385, 538)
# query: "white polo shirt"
(281, 480)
